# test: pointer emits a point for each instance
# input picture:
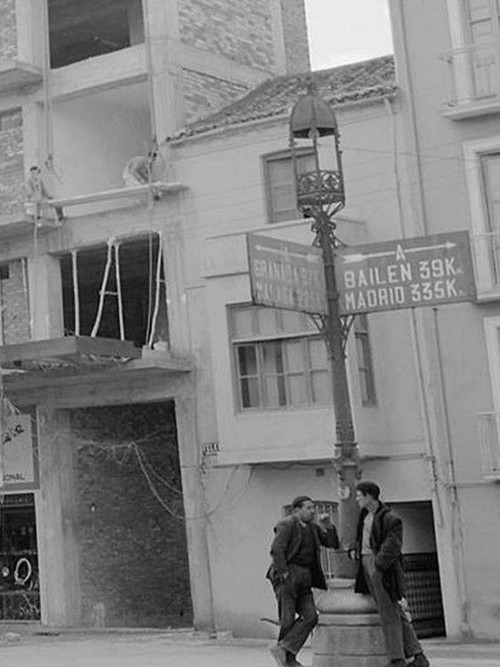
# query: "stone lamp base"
(348, 633)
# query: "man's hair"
(299, 501)
(369, 489)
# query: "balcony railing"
(489, 432)
(474, 75)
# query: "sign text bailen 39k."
(406, 273)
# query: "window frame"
(474, 151)
(467, 101)
(365, 365)
(275, 156)
(258, 339)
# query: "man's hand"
(323, 519)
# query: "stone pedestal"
(348, 633)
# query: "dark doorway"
(134, 562)
(19, 585)
(421, 568)
(81, 29)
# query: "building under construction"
(103, 516)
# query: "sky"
(344, 31)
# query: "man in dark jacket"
(378, 548)
(295, 569)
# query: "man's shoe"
(397, 663)
(279, 654)
(420, 660)
(293, 662)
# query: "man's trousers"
(296, 609)
(400, 639)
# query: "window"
(482, 159)
(483, 27)
(280, 359)
(364, 358)
(280, 184)
(327, 555)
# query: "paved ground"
(188, 650)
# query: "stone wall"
(8, 33)
(133, 556)
(295, 32)
(238, 29)
(14, 304)
(11, 163)
(204, 94)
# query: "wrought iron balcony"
(473, 77)
(325, 186)
(489, 432)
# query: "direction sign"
(406, 273)
(286, 275)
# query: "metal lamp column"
(348, 632)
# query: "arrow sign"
(286, 275)
(405, 273)
(360, 257)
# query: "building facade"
(104, 516)
(272, 397)
(450, 97)
(157, 424)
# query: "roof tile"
(276, 96)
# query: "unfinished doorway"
(81, 29)
(142, 289)
(19, 585)
(134, 559)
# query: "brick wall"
(11, 163)
(14, 304)
(133, 552)
(239, 29)
(8, 34)
(295, 31)
(204, 94)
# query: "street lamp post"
(320, 191)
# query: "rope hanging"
(149, 63)
(102, 292)
(47, 94)
(76, 292)
(157, 292)
(119, 291)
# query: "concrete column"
(278, 37)
(135, 21)
(162, 45)
(45, 293)
(348, 633)
(58, 546)
(30, 18)
(177, 307)
(195, 510)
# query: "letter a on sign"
(400, 253)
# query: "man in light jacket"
(378, 549)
